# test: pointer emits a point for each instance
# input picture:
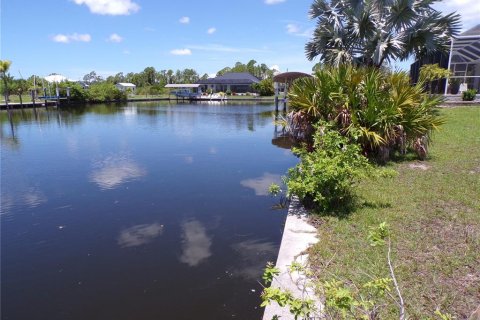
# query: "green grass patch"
(433, 210)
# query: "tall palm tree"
(370, 32)
(4, 66)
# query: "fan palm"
(370, 32)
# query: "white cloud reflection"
(261, 184)
(196, 243)
(33, 198)
(139, 234)
(114, 171)
(254, 254)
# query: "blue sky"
(74, 37)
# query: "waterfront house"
(124, 86)
(236, 82)
(463, 60)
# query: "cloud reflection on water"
(33, 198)
(114, 171)
(253, 254)
(261, 184)
(139, 234)
(196, 243)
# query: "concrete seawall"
(298, 235)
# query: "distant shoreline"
(41, 103)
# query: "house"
(126, 86)
(463, 60)
(238, 82)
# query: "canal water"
(138, 211)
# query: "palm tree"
(370, 32)
(4, 66)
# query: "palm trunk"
(21, 101)
(6, 91)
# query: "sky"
(74, 37)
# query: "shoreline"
(63, 103)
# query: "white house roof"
(55, 78)
(126, 84)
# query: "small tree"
(4, 66)
(20, 86)
(431, 74)
(264, 87)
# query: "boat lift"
(185, 90)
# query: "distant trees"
(92, 77)
(261, 71)
(149, 81)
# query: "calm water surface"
(138, 211)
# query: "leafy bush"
(228, 92)
(325, 177)
(469, 95)
(380, 109)
(104, 92)
(77, 93)
(264, 87)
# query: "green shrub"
(104, 92)
(380, 109)
(324, 178)
(469, 95)
(264, 87)
(77, 93)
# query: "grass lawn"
(433, 210)
(14, 98)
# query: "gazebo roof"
(289, 76)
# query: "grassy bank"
(433, 210)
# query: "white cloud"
(468, 9)
(110, 7)
(75, 37)
(181, 52)
(184, 20)
(292, 28)
(296, 30)
(273, 1)
(275, 67)
(115, 38)
(222, 48)
(126, 51)
(211, 30)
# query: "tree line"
(149, 81)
